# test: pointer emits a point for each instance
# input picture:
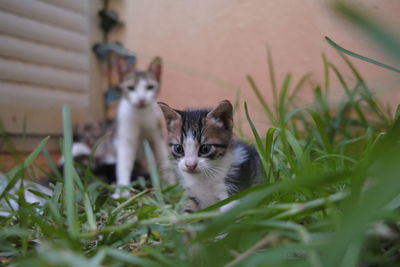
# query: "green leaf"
(259, 143)
(283, 97)
(387, 40)
(321, 130)
(154, 175)
(260, 98)
(128, 257)
(298, 87)
(51, 164)
(89, 213)
(297, 149)
(326, 72)
(367, 59)
(272, 75)
(12, 176)
(69, 172)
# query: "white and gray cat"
(210, 163)
(138, 119)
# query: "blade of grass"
(342, 81)
(269, 142)
(297, 149)
(129, 201)
(268, 239)
(397, 113)
(298, 87)
(321, 130)
(261, 99)
(57, 190)
(326, 73)
(353, 69)
(360, 114)
(91, 218)
(154, 175)
(373, 103)
(321, 101)
(259, 144)
(12, 176)
(389, 41)
(51, 164)
(386, 186)
(272, 75)
(55, 214)
(301, 231)
(367, 59)
(8, 143)
(283, 97)
(69, 192)
(128, 257)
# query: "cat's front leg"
(126, 152)
(228, 206)
(192, 205)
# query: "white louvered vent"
(44, 61)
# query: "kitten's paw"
(228, 206)
(118, 194)
(169, 178)
(115, 195)
(192, 205)
(221, 236)
(187, 211)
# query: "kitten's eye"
(131, 87)
(204, 149)
(178, 149)
(150, 87)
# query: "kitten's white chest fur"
(134, 121)
(210, 187)
(206, 190)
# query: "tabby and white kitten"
(210, 163)
(138, 119)
(85, 137)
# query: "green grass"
(331, 182)
(331, 176)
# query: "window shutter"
(45, 62)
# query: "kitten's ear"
(170, 115)
(223, 113)
(155, 67)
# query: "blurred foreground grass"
(331, 197)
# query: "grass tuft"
(331, 195)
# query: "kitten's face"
(198, 139)
(142, 88)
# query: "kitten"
(88, 134)
(85, 137)
(138, 119)
(210, 163)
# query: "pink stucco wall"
(209, 46)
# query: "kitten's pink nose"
(142, 102)
(191, 167)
